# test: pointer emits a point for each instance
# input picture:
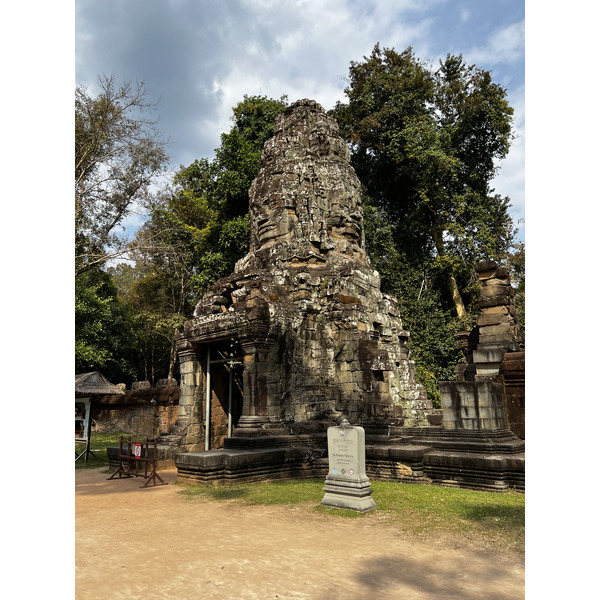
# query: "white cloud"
(510, 180)
(506, 45)
(306, 47)
(201, 58)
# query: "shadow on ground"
(93, 482)
(461, 578)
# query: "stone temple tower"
(299, 336)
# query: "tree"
(202, 223)
(198, 229)
(425, 144)
(102, 341)
(516, 264)
(118, 155)
(151, 301)
(417, 283)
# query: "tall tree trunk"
(152, 365)
(454, 291)
(172, 356)
(456, 297)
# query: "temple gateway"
(299, 337)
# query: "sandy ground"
(152, 544)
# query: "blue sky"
(199, 57)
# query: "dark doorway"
(227, 390)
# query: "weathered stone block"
(495, 318)
(488, 355)
(494, 301)
(473, 405)
(507, 329)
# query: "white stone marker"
(347, 484)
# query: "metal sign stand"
(87, 440)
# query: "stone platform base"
(480, 460)
(493, 461)
(489, 472)
(348, 495)
(235, 465)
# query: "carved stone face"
(306, 193)
(346, 225)
(273, 224)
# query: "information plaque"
(347, 484)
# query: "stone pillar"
(189, 368)
(254, 412)
(498, 331)
(477, 400)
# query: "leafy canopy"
(118, 155)
(202, 224)
(425, 144)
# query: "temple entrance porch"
(219, 398)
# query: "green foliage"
(202, 225)
(101, 324)
(424, 143)
(150, 298)
(118, 155)
(426, 312)
(516, 264)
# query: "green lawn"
(425, 512)
(99, 443)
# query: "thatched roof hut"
(94, 384)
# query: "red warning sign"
(137, 450)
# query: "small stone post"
(347, 484)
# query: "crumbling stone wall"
(320, 342)
(143, 411)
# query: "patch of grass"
(432, 514)
(264, 492)
(99, 443)
(496, 519)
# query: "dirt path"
(152, 544)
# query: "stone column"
(498, 331)
(254, 411)
(477, 400)
(189, 368)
